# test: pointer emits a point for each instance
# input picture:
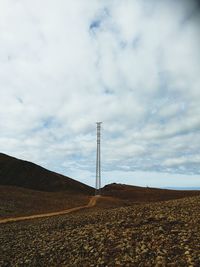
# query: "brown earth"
(137, 194)
(16, 172)
(28, 189)
(91, 203)
(18, 201)
(157, 234)
(121, 228)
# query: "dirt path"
(91, 204)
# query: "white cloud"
(134, 65)
(182, 161)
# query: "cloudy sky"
(133, 64)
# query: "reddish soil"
(16, 172)
(136, 194)
(18, 201)
(92, 203)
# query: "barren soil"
(16, 201)
(157, 234)
(16, 172)
(91, 203)
(139, 194)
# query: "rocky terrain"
(126, 227)
(155, 234)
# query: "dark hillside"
(144, 194)
(16, 172)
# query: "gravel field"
(156, 234)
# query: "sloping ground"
(107, 202)
(25, 174)
(18, 201)
(155, 234)
(144, 194)
(91, 203)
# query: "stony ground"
(157, 234)
(18, 201)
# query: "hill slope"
(144, 194)
(16, 172)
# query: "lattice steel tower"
(98, 160)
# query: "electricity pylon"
(98, 160)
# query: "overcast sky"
(135, 65)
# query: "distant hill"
(144, 194)
(16, 172)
